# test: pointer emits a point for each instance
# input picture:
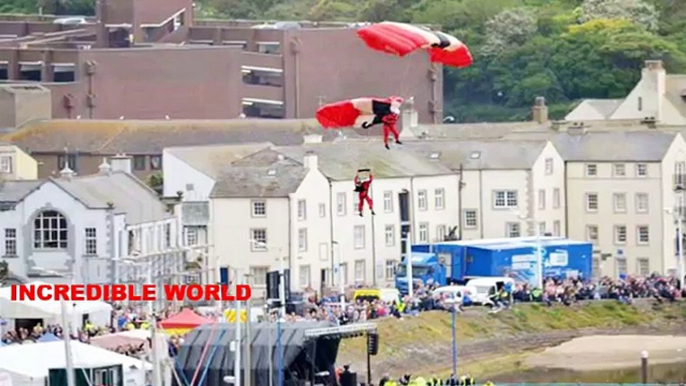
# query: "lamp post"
(453, 306)
(539, 256)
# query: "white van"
(390, 295)
(455, 292)
(485, 286)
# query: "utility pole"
(156, 371)
(66, 332)
(408, 258)
(237, 364)
(282, 314)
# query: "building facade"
(15, 164)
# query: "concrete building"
(220, 70)
(618, 186)
(76, 226)
(657, 97)
(15, 164)
(21, 103)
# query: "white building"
(657, 96)
(507, 186)
(75, 226)
(618, 186)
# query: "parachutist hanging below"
(362, 189)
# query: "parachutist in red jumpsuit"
(386, 112)
(362, 189)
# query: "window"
(390, 235)
(541, 228)
(556, 198)
(50, 231)
(388, 201)
(541, 199)
(138, 162)
(619, 202)
(642, 235)
(155, 162)
(70, 159)
(643, 267)
(390, 269)
(621, 266)
(10, 242)
(191, 236)
(356, 203)
(592, 233)
(470, 220)
(340, 204)
(591, 170)
(641, 202)
(620, 234)
(304, 276)
(556, 228)
(302, 239)
(302, 210)
(259, 208)
(548, 166)
(359, 236)
(619, 170)
(359, 271)
(512, 229)
(259, 276)
(421, 200)
(439, 199)
(591, 202)
(259, 239)
(6, 164)
(596, 267)
(505, 199)
(322, 210)
(641, 170)
(440, 232)
(91, 241)
(423, 232)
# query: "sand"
(610, 352)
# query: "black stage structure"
(309, 352)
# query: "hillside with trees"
(564, 50)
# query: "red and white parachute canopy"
(351, 113)
(402, 39)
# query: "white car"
(454, 292)
(77, 20)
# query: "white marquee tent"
(29, 365)
(51, 310)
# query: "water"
(663, 373)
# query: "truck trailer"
(456, 261)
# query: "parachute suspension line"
(202, 355)
(209, 360)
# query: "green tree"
(637, 11)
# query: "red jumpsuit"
(389, 122)
(363, 194)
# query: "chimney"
(312, 138)
(410, 120)
(654, 79)
(121, 163)
(105, 168)
(67, 173)
(310, 161)
(540, 111)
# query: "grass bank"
(423, 343)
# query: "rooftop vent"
(435, 155)
(475, 155)
(271, 172)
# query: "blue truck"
(456, 261)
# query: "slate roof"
(107, 137)
(15, 191)
(629, 146)
(480, 155)
(128, 194)
(213, 160)
(266, 173)
(340, 161)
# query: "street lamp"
(539, 257)
(453, 305)
(282, 312)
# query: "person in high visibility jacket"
(489, 383)
(419, 381)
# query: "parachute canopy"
(353, 112)
(402, 39)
